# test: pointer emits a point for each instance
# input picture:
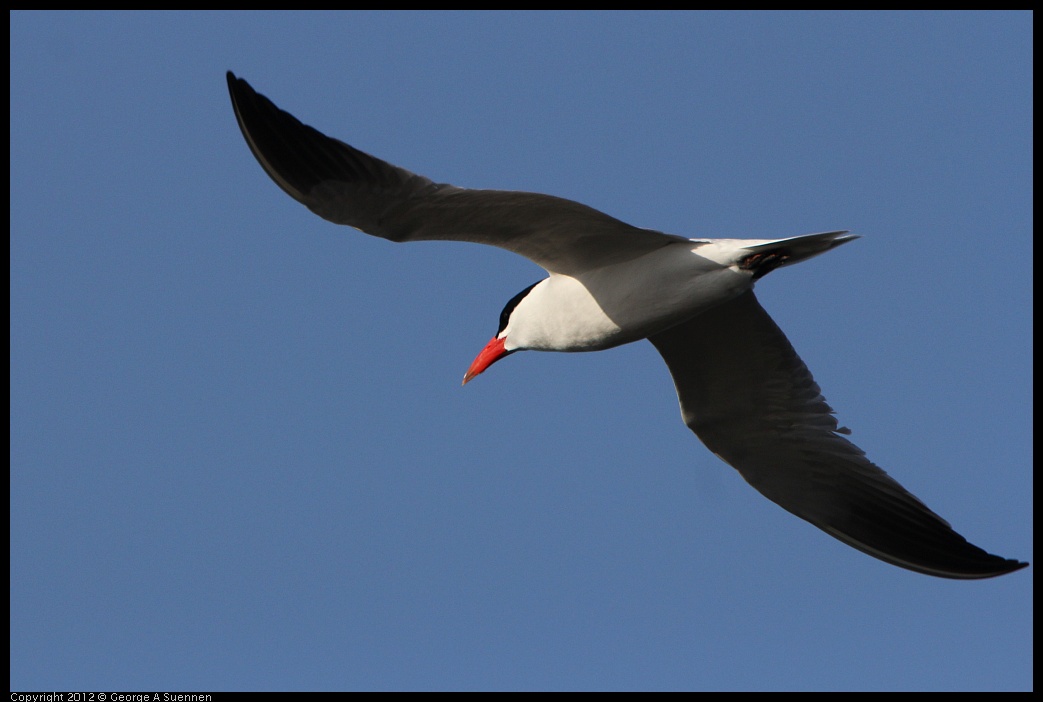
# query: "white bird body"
(742, 388)
(631, 300)
(627, 301)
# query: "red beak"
(492, 353)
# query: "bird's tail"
(767, 256)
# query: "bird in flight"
(742, 388)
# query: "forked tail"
(766, 257)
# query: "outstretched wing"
(346, 186)
(747, 395)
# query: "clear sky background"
(241, 457)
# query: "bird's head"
(499, 346)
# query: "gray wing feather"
(347, 186)
(747, 395)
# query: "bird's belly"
(624, 303)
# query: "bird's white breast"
(627, 301)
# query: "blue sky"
(241, 458)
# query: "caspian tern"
(742, 388)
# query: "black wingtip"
(278, 140)
(928, 546)
(1015, 565)
(1008, 565)
(237, 88)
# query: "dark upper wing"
(748, 396)
(346, 186)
